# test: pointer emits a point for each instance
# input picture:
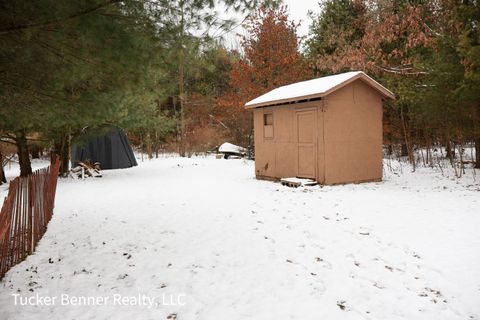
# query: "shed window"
(268, 125)
(268, 119)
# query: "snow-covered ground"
(207, 241)
(12, 170)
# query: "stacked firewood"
(86, 169)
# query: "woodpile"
(294, 182)
(86, 169)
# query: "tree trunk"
(65, 157)
(406, 136)
(388, 141)
(389, 149)
(3, 179)
(450, 151)
(404, 150)
(35, 151)
(156, 144)
(62, 148)
(181, 84)
(23, 154)
(182, 112)
(477, 153)
(142, 145)
(476, 134)
(148, 142)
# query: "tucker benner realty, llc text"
(64, 299)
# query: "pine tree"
(67, 66)
(340, 23)
(189, 24)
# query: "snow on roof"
(314, 88)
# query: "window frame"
(268, 125)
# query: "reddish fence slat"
(25, 213)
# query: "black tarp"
(111, 149)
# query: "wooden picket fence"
(25, 213)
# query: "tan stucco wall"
(275, 157)
(353, 134)
(350, 150)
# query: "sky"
(298, 11)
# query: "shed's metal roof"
(314, 88)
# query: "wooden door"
(306, 138)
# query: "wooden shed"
(327, 129)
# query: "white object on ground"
(299, 181)
(231, 148)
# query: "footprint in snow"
(342, 304)
(389, 268)
(379, 286)
(267, 238)
(434, 295)
(323, 263)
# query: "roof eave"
(283, 101)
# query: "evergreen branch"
(35, 92)
(401, 71)
(68, 51)
(232, 28)
(8, 139)
(435, 33)
(55, 21)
